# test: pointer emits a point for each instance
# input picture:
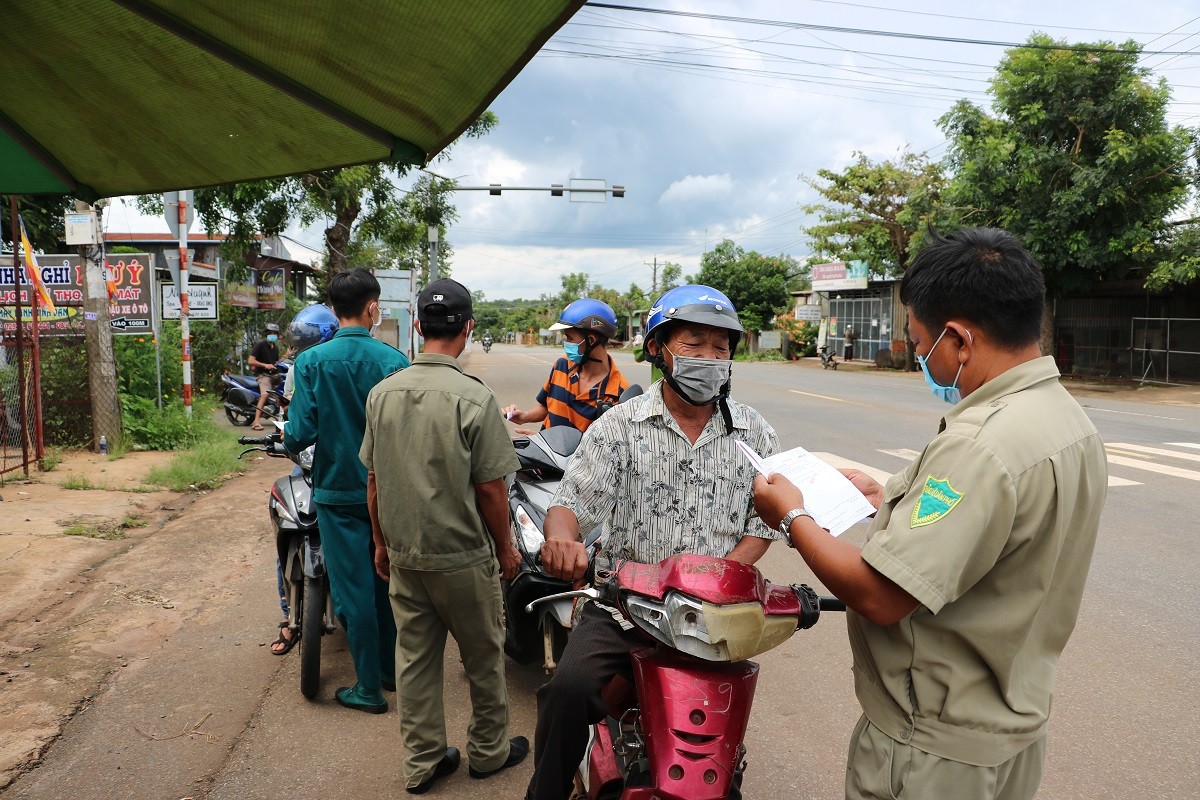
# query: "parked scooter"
(828, 359)
(543, 457)
(240, 396)
(298, 546)
(703, 619)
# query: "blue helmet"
(589, 316)
(701, 305)
(313, 325)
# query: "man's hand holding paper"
(798, 479)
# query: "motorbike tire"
(241, 418)
(312, 627)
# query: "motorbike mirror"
(633, 391)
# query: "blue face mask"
(272, 337)
(948, 394)
(574, 351)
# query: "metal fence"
(1165, 349)
(18, 438)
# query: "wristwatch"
(785, 524)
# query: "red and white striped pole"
(185, 330)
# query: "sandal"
(287, 643)
(256, 427)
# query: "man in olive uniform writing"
(437, 452)
(969, 585)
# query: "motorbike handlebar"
(831, 604)
(255, 440)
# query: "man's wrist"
(785, 524)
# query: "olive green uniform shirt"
(432, 434)
(991, 529)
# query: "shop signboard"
(130, 306)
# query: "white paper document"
(828, 495)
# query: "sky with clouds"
(709, 122)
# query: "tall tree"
(876, 211)
(1077, 159)
(757, 285)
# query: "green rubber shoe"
(361, 700)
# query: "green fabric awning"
(110, 97)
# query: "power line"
(925, 37)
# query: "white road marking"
(1130, 413)
(834, 399)
(1113, 480)
(1150, 466)
(837, 462)
(1154, 451)
(1185, 444)
(903, 452)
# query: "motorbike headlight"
(305, 459)
(529, 538)
(709, 631)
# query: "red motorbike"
(680, 734)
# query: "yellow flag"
(35, 274)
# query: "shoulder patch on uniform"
(938, 498)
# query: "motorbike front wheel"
(312, 627)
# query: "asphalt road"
(1125, 703)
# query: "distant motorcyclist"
(586, 381)
(487, 341)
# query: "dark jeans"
(597, 650)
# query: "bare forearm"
(493, 502)
(749, 550)
(840, 566)
(561, 524)
(373, 510)
(535, 414)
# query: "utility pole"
(98, 336)
(654, 278)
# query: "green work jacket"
(328, 409)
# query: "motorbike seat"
(246, 381)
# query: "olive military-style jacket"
(991, 529)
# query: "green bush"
(760, 355)
(148, 427)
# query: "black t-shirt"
(267, 353)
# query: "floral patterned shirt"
(660, 494)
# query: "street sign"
(202, 301)
(808, 313)
(588, 190)
(124, 325)
(171, 209)
(171, 256)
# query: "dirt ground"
(90, 578)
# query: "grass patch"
(51, 459)
(105, 530)
(211, 461)
(133, 521)
(760, 355)
(79, 483)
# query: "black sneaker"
(518, 748)
(445, 767)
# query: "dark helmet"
(589, 316)
(272, 327)
(313, 325)
(701, 305)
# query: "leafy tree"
(757, 285)
(669, 277)
(1078, 160)
(367, 216)
(43, 216)
(876, 211)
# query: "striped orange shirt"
(567, 404)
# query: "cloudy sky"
(709, 121)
